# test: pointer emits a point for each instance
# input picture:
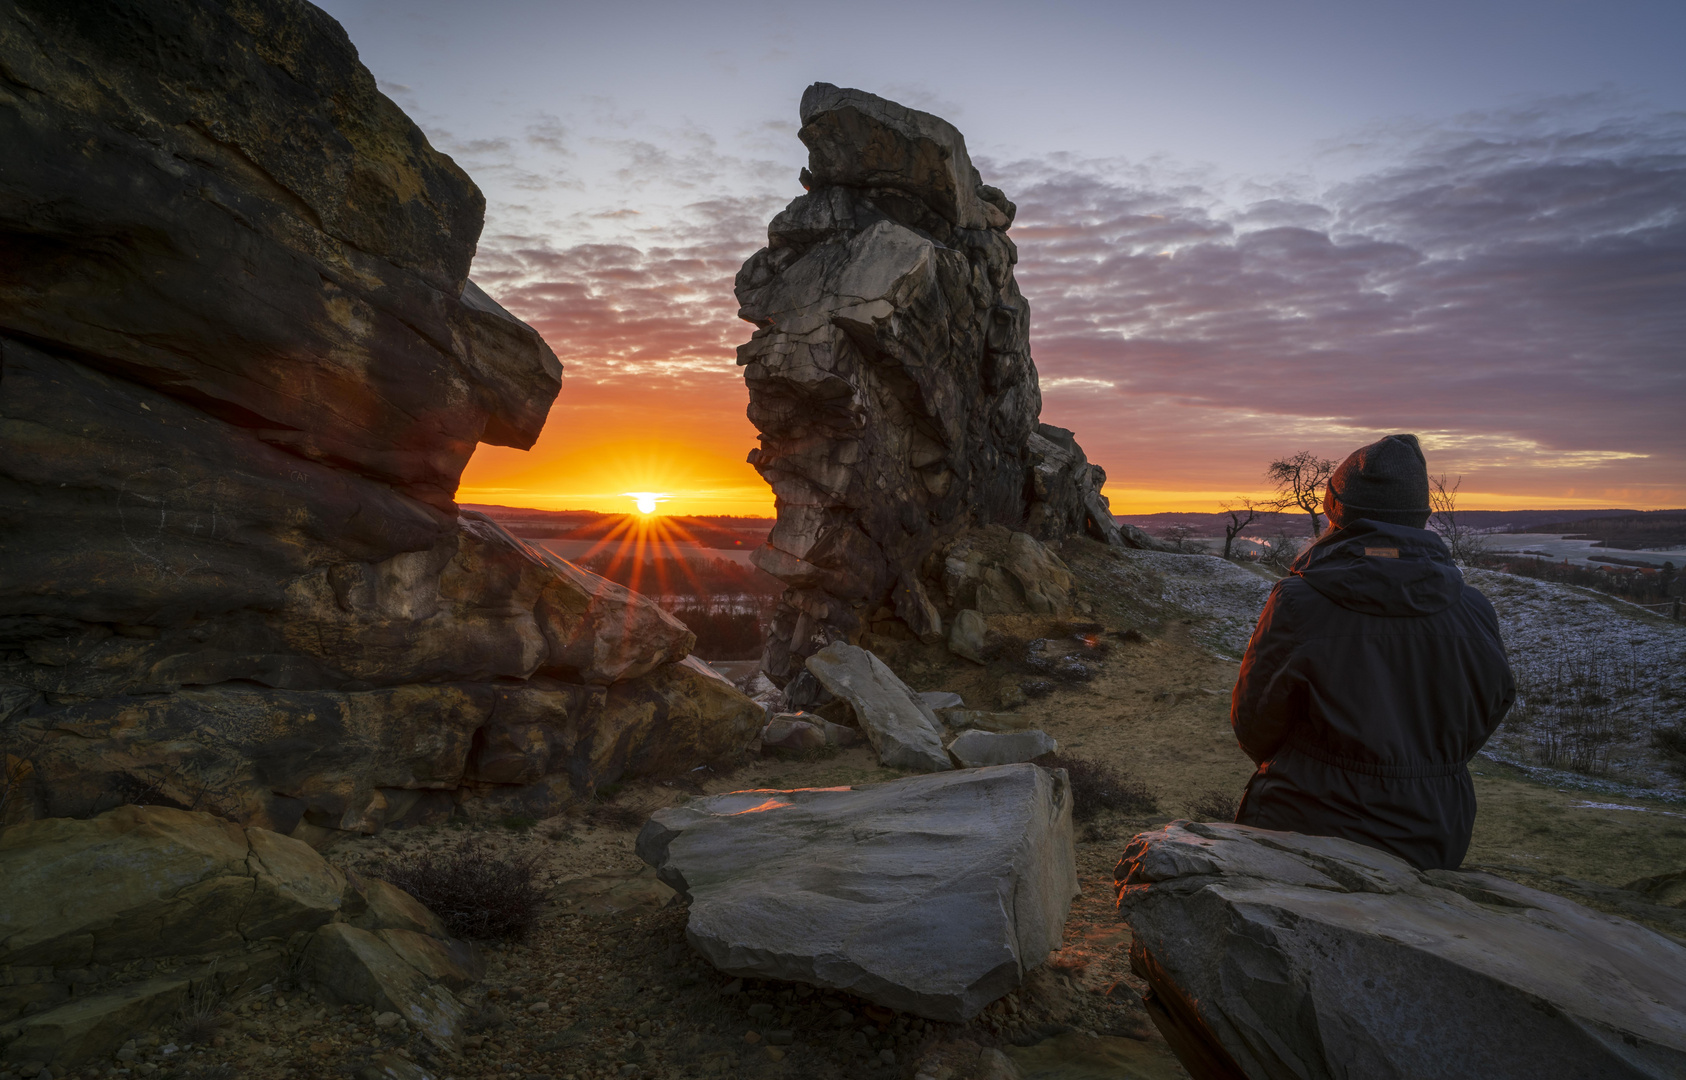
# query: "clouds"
(1512, 290)
(1523, 294)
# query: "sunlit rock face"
(891, 379)
(242, 368)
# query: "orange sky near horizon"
(606, 438)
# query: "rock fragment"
(902, 728)
(975, 748)
(931, 895)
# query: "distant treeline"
(704, 579)
(1632, 532)
(1641, 585)
(678, 530)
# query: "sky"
(1245, 228)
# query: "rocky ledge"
(1274, 955)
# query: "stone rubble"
(932, 895)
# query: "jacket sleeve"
(1268, 700)
(1503, 685)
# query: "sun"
(646, 500)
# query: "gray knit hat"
(1386, 481)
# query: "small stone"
(781, 1038)
(649, 1026)
(125, 1055)
(774, 1053)
(732, 987)
(387, 1020)
(539, 1007)
(842, 1018)
(760, 1009)
(752, 1037)
(887, 1056)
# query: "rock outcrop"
(111, 925)
(1275, 955)
(891, 380)
(932, 895)
(242, 367)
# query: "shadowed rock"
(931, 895)
(1279, 955)
(976, 747)
(891, 380)
(241, 370)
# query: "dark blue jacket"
(1374, 676)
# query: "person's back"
(1374, 676)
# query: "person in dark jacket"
(1374, 676)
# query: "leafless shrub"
(1097, 786)
(478, 893)
(1214, 805)
(201, 1017)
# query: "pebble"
(732, 987)
(752, 1037)
(775, 1053)
(887, 1056)
(781, 1038)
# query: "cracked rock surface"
(891, 379)
(1305, 956)
(932, 895)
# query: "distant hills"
(1299, 524)
(723, 531)
(1631, 531)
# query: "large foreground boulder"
(109, 924)
(932, 895)
(891, 379)
(1275, 955)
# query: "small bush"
(724, 635)
(1097, 786)
(1670, 740)
(478, 893)
(1214, 805)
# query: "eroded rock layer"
(891, 380)
(241, 370)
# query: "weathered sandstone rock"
(932, 895)
(902, 728)
(89, 907)
(993, 571)
(199, 189)
(968, 636)
(891, 380)
(788, 731)
(348, 966)
(241, 369)
(975, 747)
(1282, 955)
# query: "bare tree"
(1461, 540)
(1241, 513)
(1179, 535)
(1300, 481)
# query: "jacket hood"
(1376, 568)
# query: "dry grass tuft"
(478, 893)
(1097, 786)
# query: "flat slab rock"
(974, 747)
(1308, 956)
(931, 895)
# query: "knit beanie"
(1386, 481)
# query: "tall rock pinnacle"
(891, 380)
